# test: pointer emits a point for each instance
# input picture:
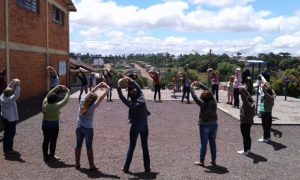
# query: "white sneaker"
(263, 140)
(242, 152)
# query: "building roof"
(74, 64)
(70, 5)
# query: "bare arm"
(51, 69)
(100, 99)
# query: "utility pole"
(209, 64)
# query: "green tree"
(225, 70)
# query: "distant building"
(99, 63)
(33, 35)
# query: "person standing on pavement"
(214, 78)
(208, 126)
(50, 125)
(156, 81)
(84, 128)
(109, 81)
(186, 82)
(236, 84)
(84, 83)
(230, 90)
(247, 113)
(54, 79)
(266, 111)
(9, 114)
(138, 115)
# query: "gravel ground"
(173, 144)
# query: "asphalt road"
(173, 144)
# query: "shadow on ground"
(256, 158)
(277, 146)
(14, 157)
(216, 169)
(97, 174)
(59, 164)
(277, 133)
(143, 175)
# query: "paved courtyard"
(173, 144)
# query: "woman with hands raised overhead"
(84, 130)
(207, 122)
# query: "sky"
(117, 27)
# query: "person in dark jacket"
(84, 83)
(266, 111)
(247, 113)
(138, 114)
(109, 81)
(208, 126)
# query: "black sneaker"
(54, 158)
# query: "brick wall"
(27, 27)
(58, 34)
(30, 69)
(2, 21)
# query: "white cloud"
(235, 15)
(221, 3)
(130, 29)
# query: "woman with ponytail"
(84, 128)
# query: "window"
(62, 68)
(33, 5)
(57, 15)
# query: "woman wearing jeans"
(207, 122)
(84, 128)
(138, 114)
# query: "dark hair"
(206, 96)
(8, 92)
(52, 98)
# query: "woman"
(156, 81)
(109, 81)
(266, 111)
(53, 77)
(84, 128)
(230, 90)
(214, 78)
(247, 113)
(138, 114)
(207, 122)
(236, 84)
(186, 83)
(84, 83)
(9, 114)
(50, 125)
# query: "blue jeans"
(84, 133)
(208, 133)
(135, 130)
(9, 134)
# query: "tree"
(225, 70)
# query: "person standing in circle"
(207, 122)
(138, 115)
(156, 81)
(84, 83)
(84, 130)
(54, 79)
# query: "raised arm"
(51, 69)
(194, 96)
(15, 86)
(100, 99)
(123, 99)
(244, 94)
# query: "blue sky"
(180, 26)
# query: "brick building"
(33, 35)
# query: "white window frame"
(62, 65)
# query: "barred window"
(33, 5)
(58, 15)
